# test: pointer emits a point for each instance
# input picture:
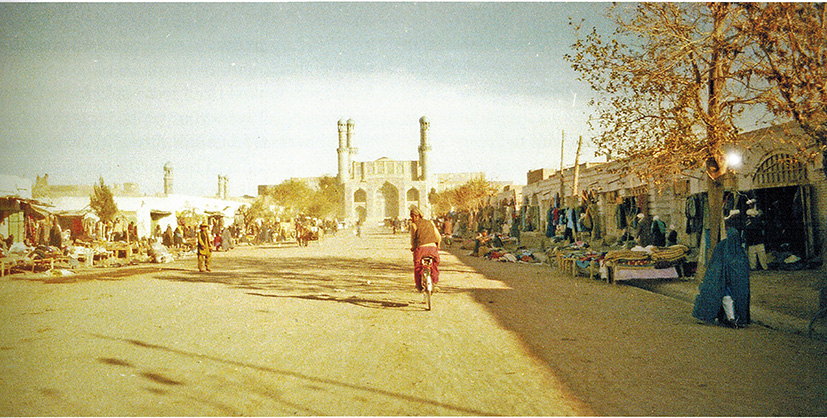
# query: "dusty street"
(336, 329)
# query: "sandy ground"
(336, 329)
(333, 329)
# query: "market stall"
(644, 263)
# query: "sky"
(254, 91)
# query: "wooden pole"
(562, 178)
(574, 185)
(576, 179)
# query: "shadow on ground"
(361, 282)
(168, 383)
(626, 351)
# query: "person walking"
(724, 293)
(424, 242)
(204, 244)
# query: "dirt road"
(336, 329)
(332, 329)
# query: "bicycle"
(427, 282)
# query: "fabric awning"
(158, 214)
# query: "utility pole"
(576, 167)
(562, 178)
(576, 179)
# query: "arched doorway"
(784, 197)
(387, 202)
(412, 197)
(360, 198)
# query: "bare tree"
(790, 40)
(670, 89)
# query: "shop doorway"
(788, 219)
(785, 197)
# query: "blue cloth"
(727, 272)
(570, 218)
(550, 223)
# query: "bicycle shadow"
(353, 300)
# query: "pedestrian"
(226, 240)
(424, 242)
(658, 232)
(204, 249)
(644, 230)
(448, 226)
(672, 236)
(168, 237)
(178, 237)
(724, 293)
(56, 235)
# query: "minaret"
(220, 186)
(167, 178)
(351, 149)
(424, 146)
(344, 152)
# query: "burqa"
(727, 272)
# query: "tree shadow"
(314, 382)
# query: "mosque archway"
(360, 196)
(387, 201)
(413, 197)
(361, 213)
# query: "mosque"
(385, 189)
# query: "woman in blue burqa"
(727, 274)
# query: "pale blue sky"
(254, 90)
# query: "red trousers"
(420, 252)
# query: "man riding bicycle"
(425, 240)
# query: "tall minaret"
(424, 146)
(167, 178)
(344, 153)
(351, 149)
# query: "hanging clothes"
(691, 212)
(515, 226)
(620, 216)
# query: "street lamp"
(734, 159)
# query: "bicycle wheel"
(428, 287)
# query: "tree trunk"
(716, 166)
(715, 197)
